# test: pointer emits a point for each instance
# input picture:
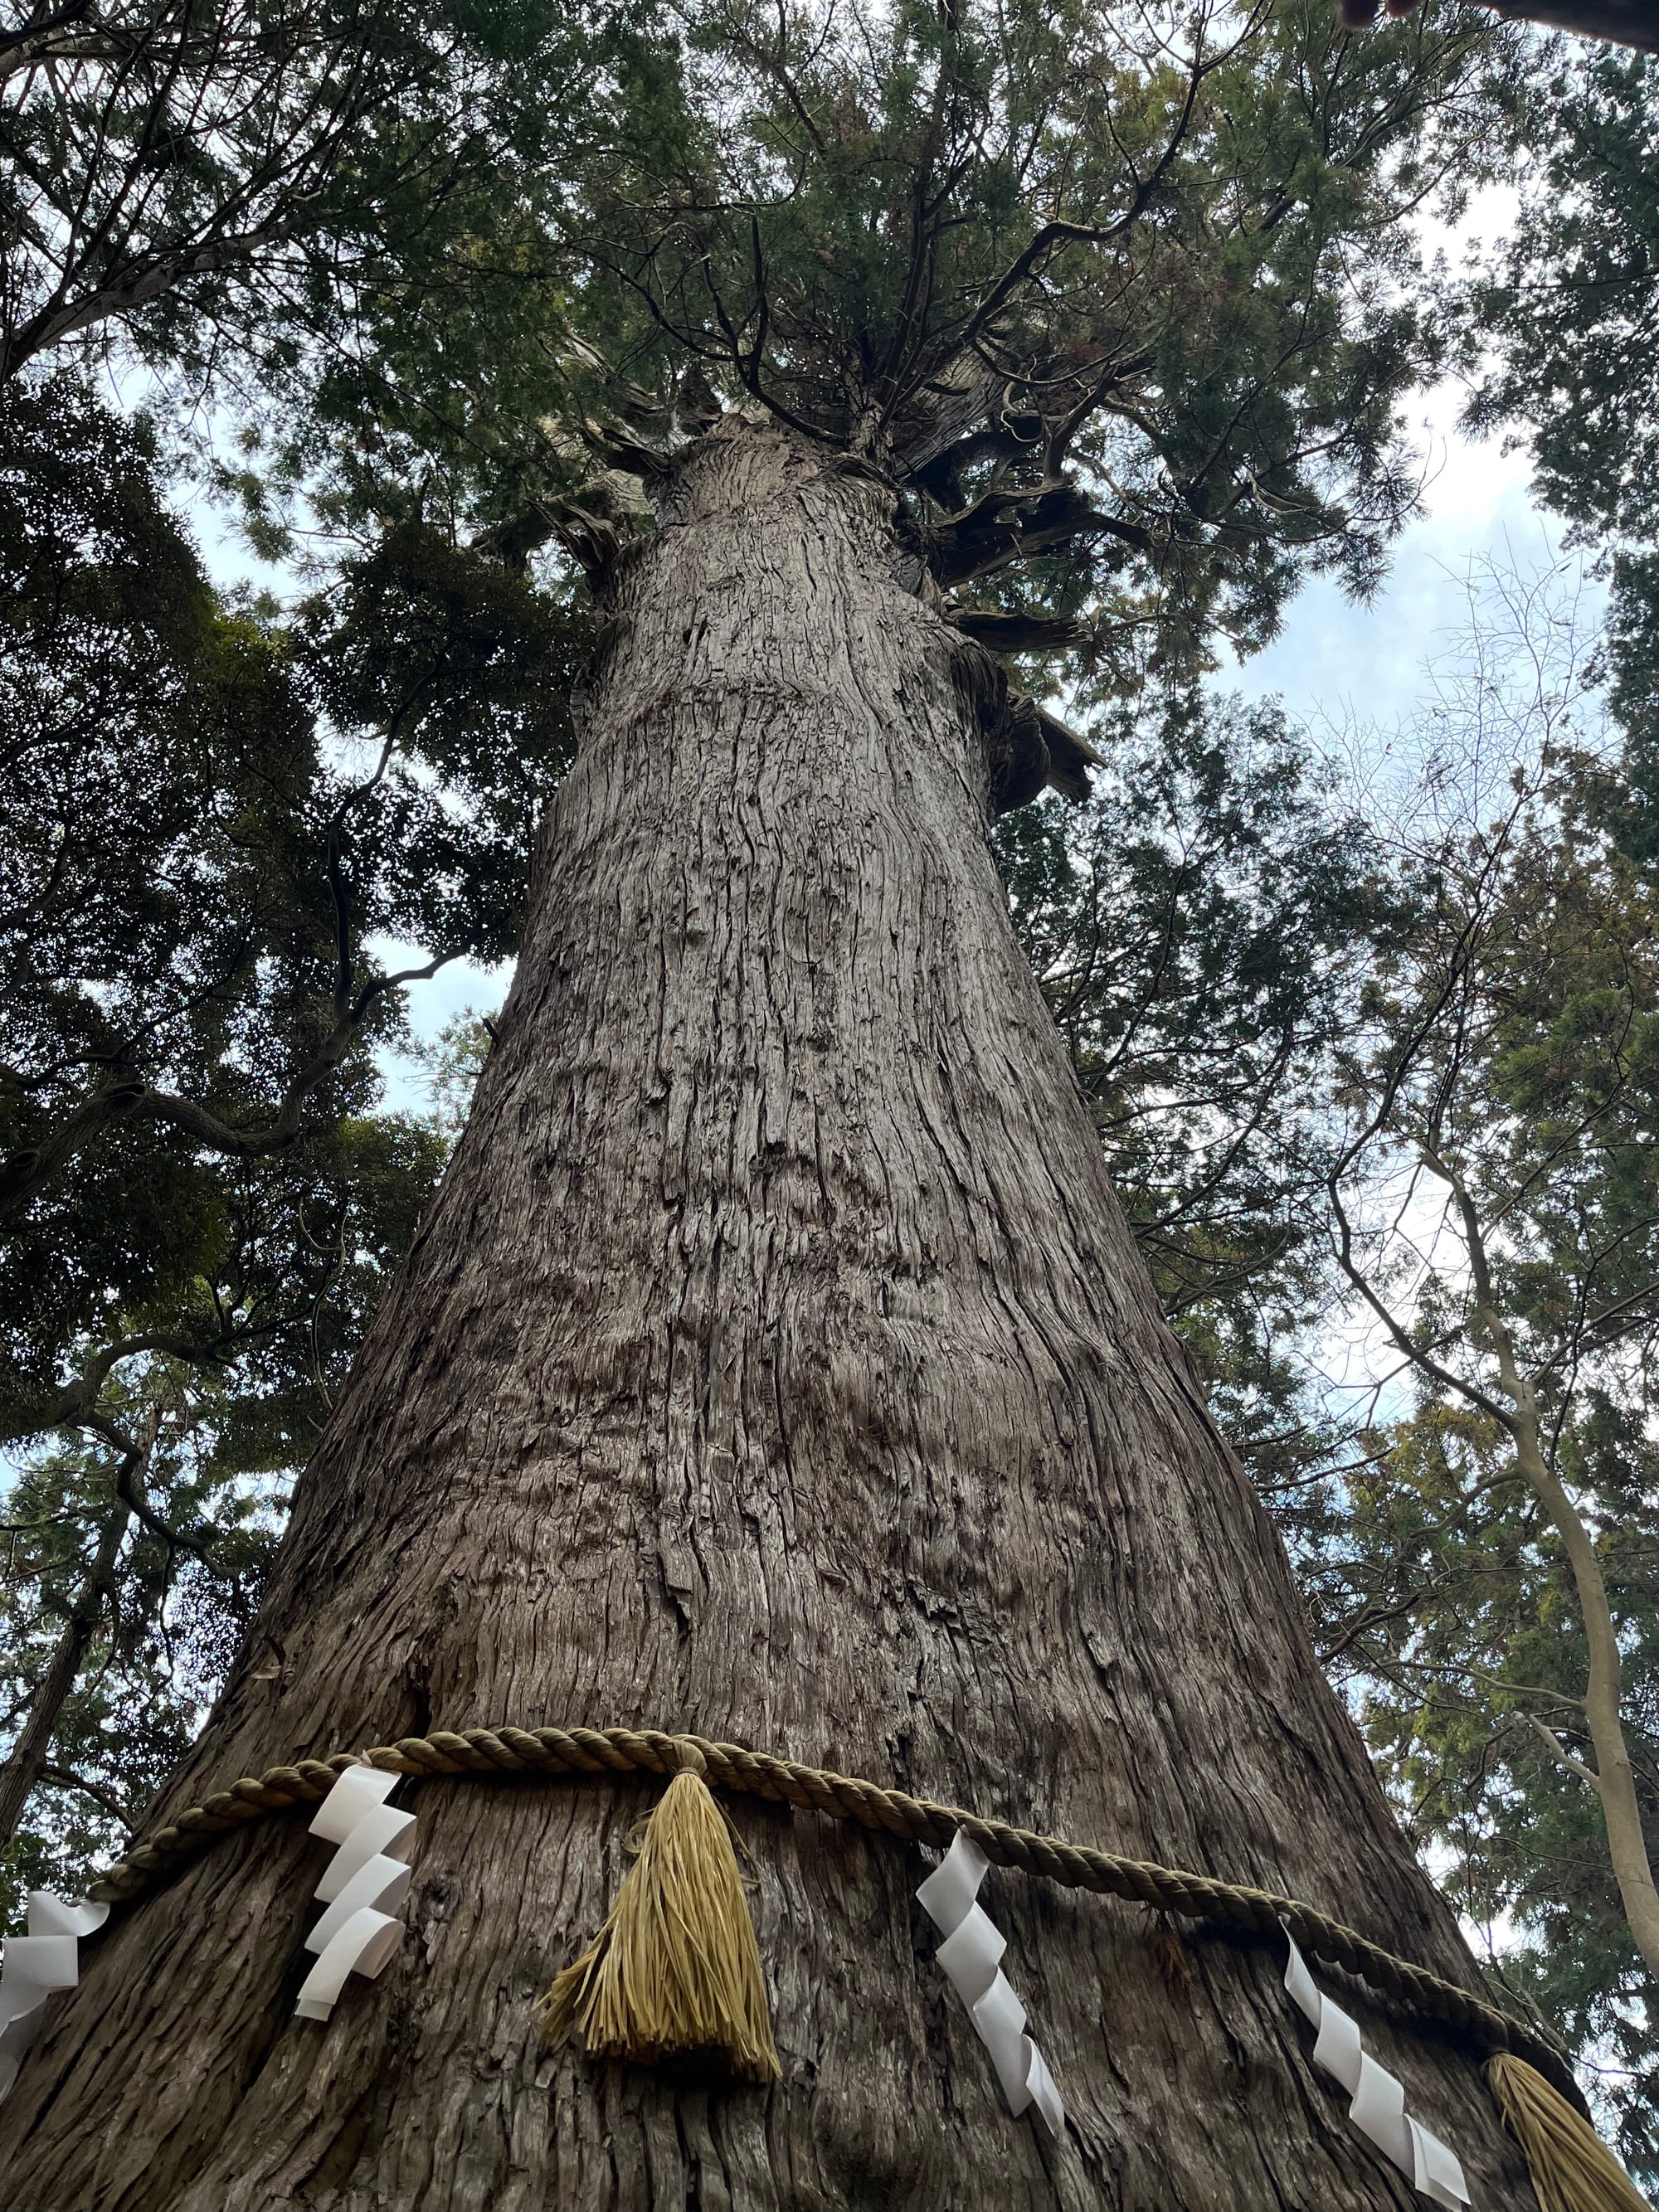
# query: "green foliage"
(1572, 307)
(151, 860)
(1512, 1058)
(1573, 303)
(161, 1648)
(1199, 931)
(189, 867)
(1499, 1195)
(1451, 1609)
(214, 183)
(205, 818)
(1129, 314)
(458, 670)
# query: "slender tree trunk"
(25, 1763)
(1614, 1778)
(775, 1362)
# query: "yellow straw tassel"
(1572, 2169)
(675, 1969)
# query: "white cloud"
(1336, 662)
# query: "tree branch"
(1560, 1752)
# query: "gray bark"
(775, 1363)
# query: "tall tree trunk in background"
(22, 1768)
(776, 1363)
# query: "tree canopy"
(196, 183)
(1570, 306)
(1121, 304)
(209, 823)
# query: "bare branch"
(1558, 1751)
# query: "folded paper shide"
(46, 1959)
(365, 1882)
(971, 1955)
(1378, 2109)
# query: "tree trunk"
(24, 1764)
(1613, 1778)
(1614, 1775)
(774, 1364)
(1621, 22)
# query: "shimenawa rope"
(675, 1968)
(842, 1797)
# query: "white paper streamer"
(1378, 2109)
(45, 1960)
(362, 1885)
(971, 1955)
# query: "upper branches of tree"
(148, 145)
(1114, 300)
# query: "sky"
(1367, 667)
(1333, 656)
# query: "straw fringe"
(675, 1970)
(1572, 2169)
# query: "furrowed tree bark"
(775, 1362)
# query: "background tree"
(116, 1632)
(1200, 930)
(1082, 337)
(207, 821)
(190, 961)
(1218, 906)
(1489, 1582)
(206, 180)
(1460, 1632)
(1570, 306)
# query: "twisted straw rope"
(891, 1812)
